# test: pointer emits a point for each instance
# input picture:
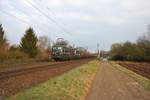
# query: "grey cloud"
(88, 21)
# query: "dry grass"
(73, 85)
(145, 82)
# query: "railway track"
(13, 73)
(15, 80)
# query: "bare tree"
(44, 43)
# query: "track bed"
(13, 81)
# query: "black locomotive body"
(61, 51)
(64, 53)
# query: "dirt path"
(112, 84)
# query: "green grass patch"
(145, 82)
(69, 86)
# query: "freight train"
(61, 50)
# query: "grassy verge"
(140, 79)
(69, 86)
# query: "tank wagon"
(61, 50)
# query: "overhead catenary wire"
(48, 17)
(54, 14)
(45, 25)
(9, 14)
(19, 19)
(29, 23)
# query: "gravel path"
(112, 84)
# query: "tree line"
(128, 51)
(30, 47)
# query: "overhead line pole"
(98, 52)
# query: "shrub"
(17, 55)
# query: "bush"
(17, 55)
(3, 54)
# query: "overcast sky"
(82, 22)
